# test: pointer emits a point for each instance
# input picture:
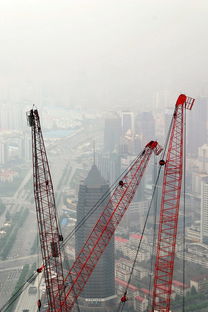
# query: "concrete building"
(197, 180)
(140, 304)
(180, 288)
(124, 266)
(124, 246)
(200, 283)
(100, 289)
(121, 288)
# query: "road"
(18, 262)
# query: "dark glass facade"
(102, 281)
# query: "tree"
(193, 291)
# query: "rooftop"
(138, 298)
(121, 239)
(94, 177)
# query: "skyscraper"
(197, 126)
(100, 289)
(127, 122)
(112, 132)
(109, 165)
(204, 211)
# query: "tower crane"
(49, 233)
(105, 227)
(169, 211)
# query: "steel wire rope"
(38, 263)
(76, 300)
(184, 213)
(121, 305)
(139, 245)
(18, 292)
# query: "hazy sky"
(104, 52)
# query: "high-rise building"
(99, 292)
(203, 158)
(197, 126)
(112, 132)
(109, 165)
(127, 122)
(145, 126)
(204, 211)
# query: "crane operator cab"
(30, 118)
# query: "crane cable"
(184, 211)
(38, 264)
(74, 292)
(71, 234)
(122, 303)
(121, 306)
(18, 292)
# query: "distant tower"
(204, 211)
(100, 289)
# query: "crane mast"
(169, 211)
(49, 233)
(106, 225)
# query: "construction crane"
(106, 225)
(49, 233)
(169, 211)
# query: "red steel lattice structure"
(49, 233)
(169, 211)
(106, 225)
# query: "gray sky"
(96, 52)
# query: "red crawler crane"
(169, 210)
(106, 226)
(49, 233)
